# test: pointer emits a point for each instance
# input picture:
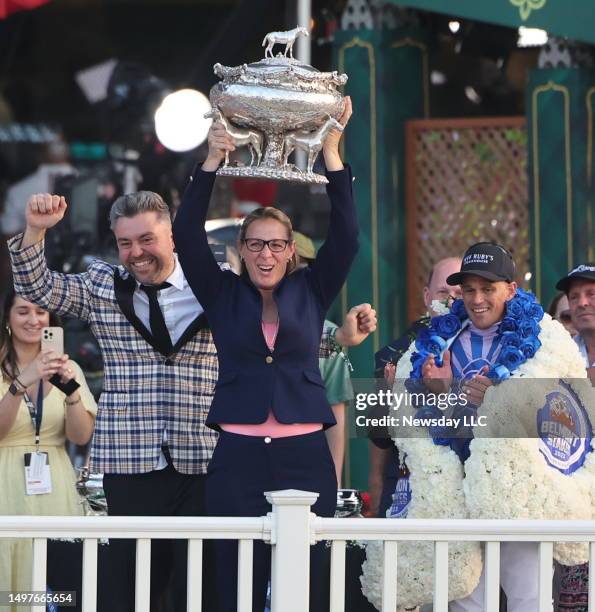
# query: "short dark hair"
(133, 204)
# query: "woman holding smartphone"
(36, 418)
(270, 405)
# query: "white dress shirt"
(178, 304)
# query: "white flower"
(439, 308)
(436, 475)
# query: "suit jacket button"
(269, 359)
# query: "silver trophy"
(276, 106)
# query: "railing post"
(291, 539)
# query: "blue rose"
(446, 326)
(416, 372)
(511, 357)
(514, 309)
(533, 310)
(529, 347)
(498, 373)
(524, 296)
(528, 328)
(423, 337)
(417, 361)
(510, 338)
(458, 310)
(429, 342)
(507, 324)
(436, 345)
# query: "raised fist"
(44, 210)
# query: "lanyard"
(36, 413)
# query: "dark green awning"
(570, 18)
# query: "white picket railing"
(290, 529)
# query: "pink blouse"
(271, 427)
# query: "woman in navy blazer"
(270, 405)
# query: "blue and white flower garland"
(519, 331)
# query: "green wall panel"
(560, 129)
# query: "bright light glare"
(531, 37)
(179, 121)
(454, 26)
(472, 94)
(528, 276)
(437, 78)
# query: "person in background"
(334, 368)
(559, 309)
(578, 286)
(383, 470)
(29, 402)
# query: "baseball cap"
(488, 260)
(304, 246)
(586, 271)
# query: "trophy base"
(287, 173)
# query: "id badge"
(38, 479)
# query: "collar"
(582, 347)
(176, 278)
(489, 331)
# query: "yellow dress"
(16, 554)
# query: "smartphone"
(52, 338)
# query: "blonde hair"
(264, 213)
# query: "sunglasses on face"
(277, 245)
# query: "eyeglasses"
(277, 245)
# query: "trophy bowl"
(275, 106)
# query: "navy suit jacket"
(252, 379)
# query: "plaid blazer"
(144, 391)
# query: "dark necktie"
(156, 320)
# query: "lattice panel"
(466, 182)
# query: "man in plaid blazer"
(150, 437)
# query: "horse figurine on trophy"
(283, 38)
(241, 136)
(309, 142)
